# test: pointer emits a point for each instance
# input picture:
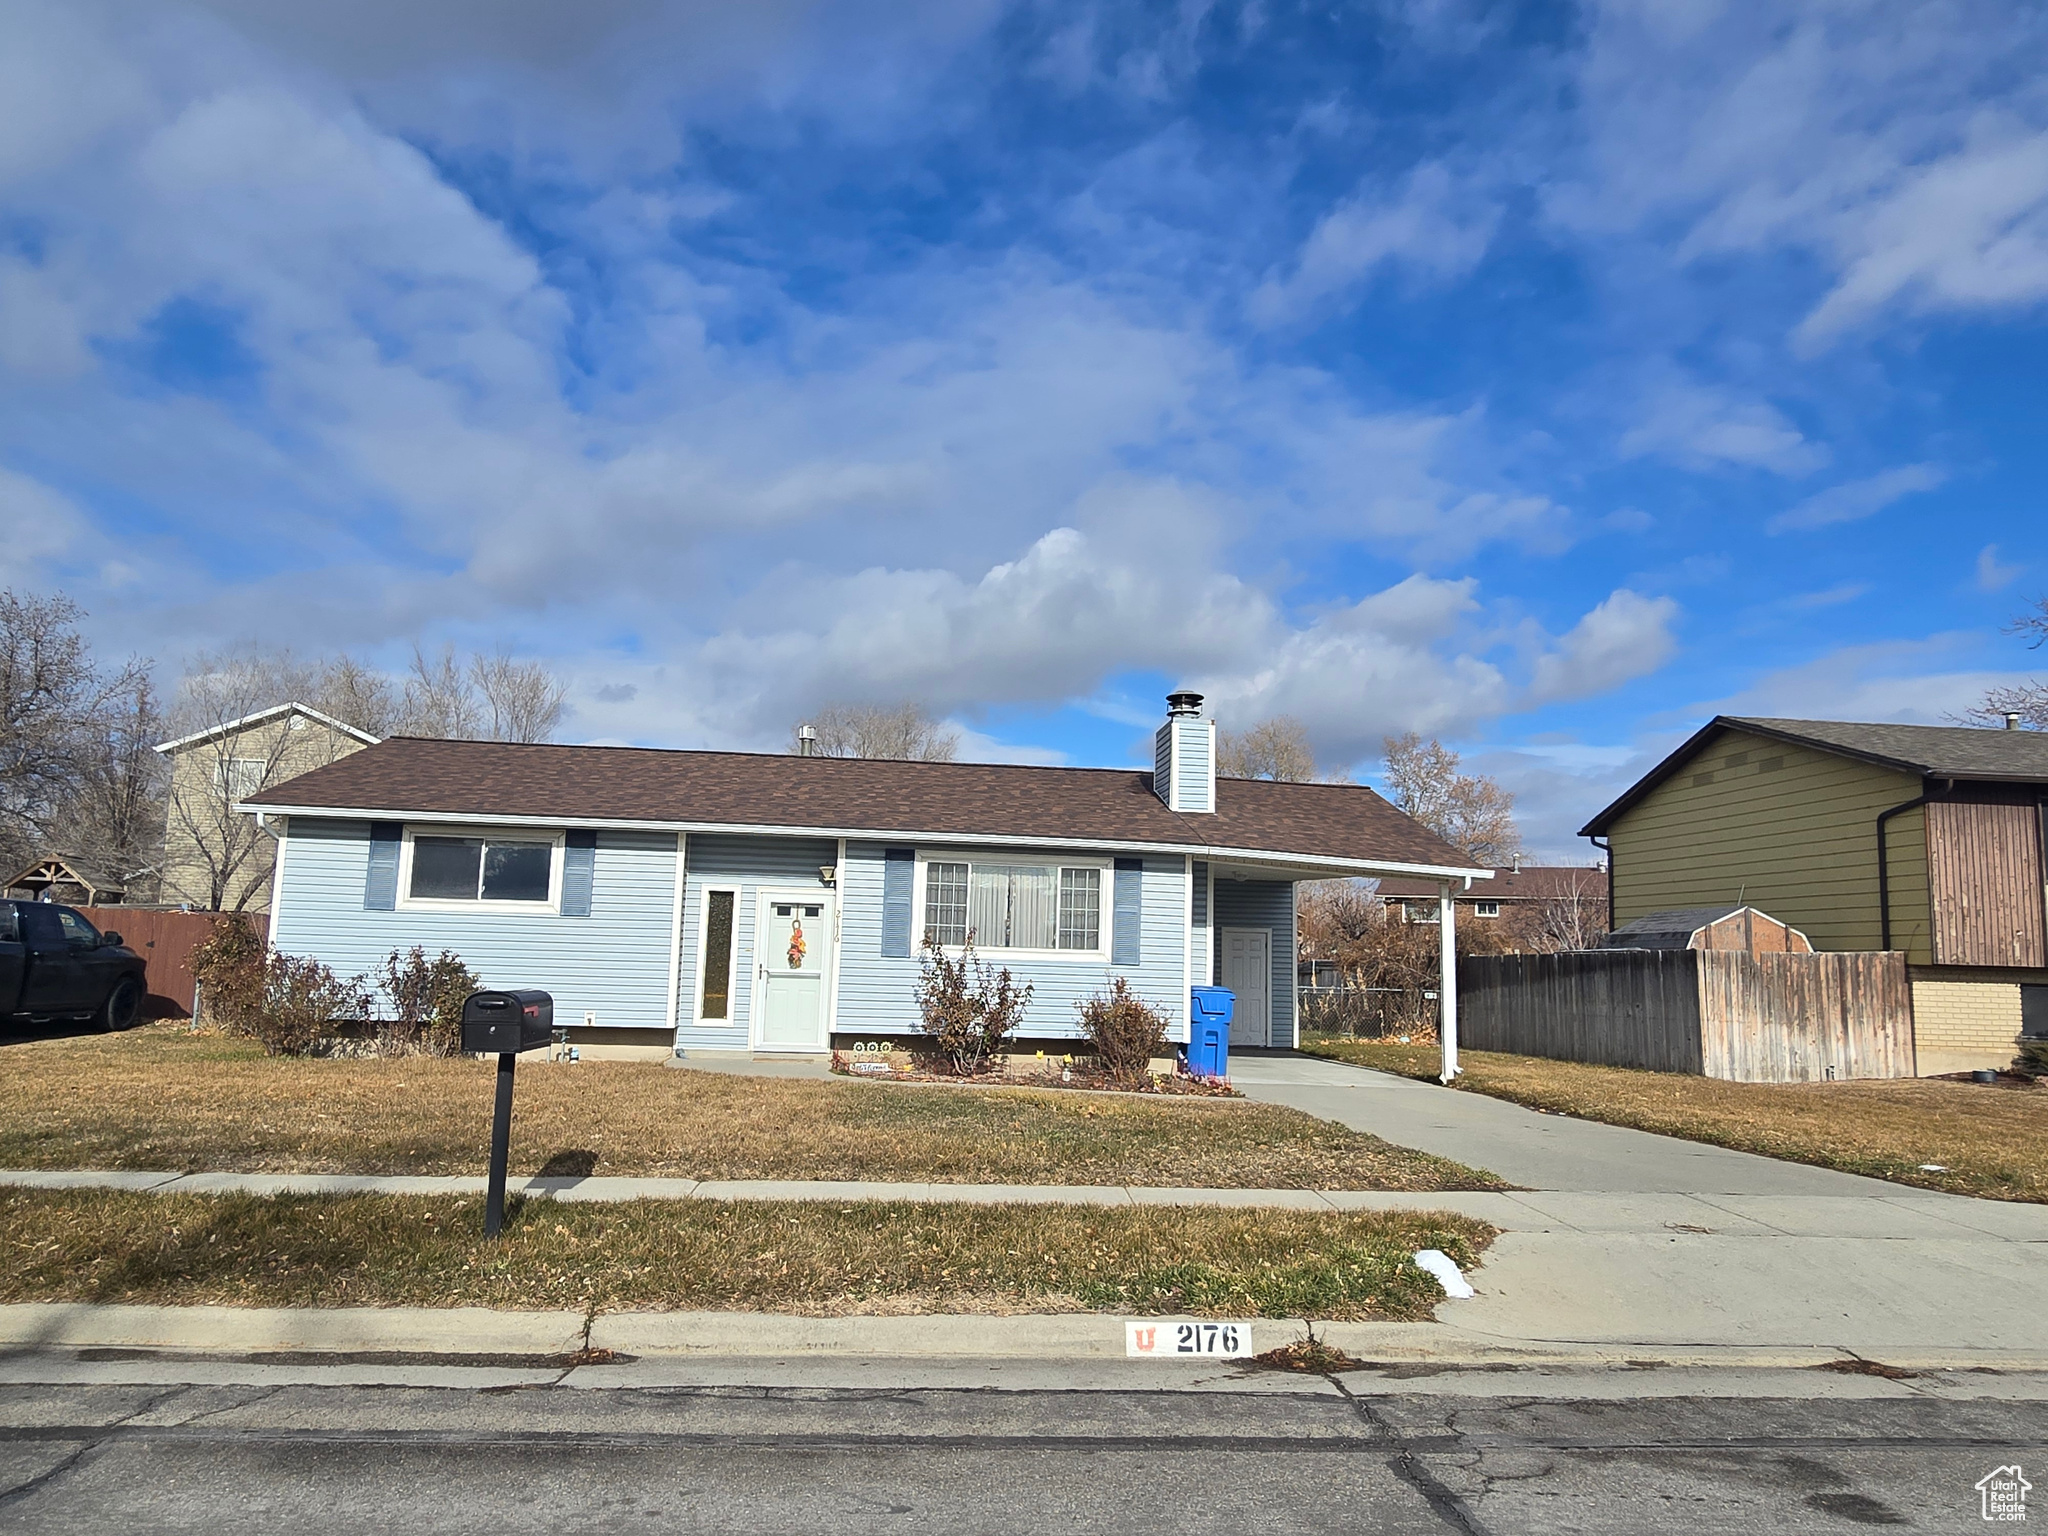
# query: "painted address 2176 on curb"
(1167, 1339)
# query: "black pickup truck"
(56, 965)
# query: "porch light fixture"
(828, 874)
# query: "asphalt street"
(232, 1458)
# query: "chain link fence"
(1368, 1013)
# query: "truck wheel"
(122, 1004)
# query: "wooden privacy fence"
(1770, 1018)
(165, 940)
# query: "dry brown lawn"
(1987, 1141)
(161, 1097)
(812, 1257)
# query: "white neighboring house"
(216, 858)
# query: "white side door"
(1248, 972)
(792, 954)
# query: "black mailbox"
(495, 1023)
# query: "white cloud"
(1902, 146)
(1993, 574)
(42, 524)
(1626, 637)
(1906, 681)
(1435, 227)
(1854, 500)
(1700, 426)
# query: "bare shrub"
(970, 1008)
(228, 966)
(1126, 1031)
(303, 1003)
(425, 997)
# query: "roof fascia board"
(258, 718)
(1338, 868)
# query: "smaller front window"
(1419, 911)
(1486, 909)
(480, 869)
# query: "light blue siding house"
(718, 901)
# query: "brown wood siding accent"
(1789, 830)
(1985, 874)
(1770, 1018)
(165, 940)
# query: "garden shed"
(1733, 927)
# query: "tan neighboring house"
(1919, 838)
(217, 858)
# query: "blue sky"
(1547, 378)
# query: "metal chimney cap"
(1183, 704)
(806, 741)
(2012, 720)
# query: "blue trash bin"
(1209, 1013)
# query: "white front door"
(1248, 972)
(792, 954)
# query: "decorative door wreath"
(797, 947)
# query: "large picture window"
(1014, 906)
(511, 870)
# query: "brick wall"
(1959, 1026)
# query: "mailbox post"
(505, 1023)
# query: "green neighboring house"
(1920, 838)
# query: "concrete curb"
(447, 1336)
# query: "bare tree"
(1576, 916)
(440, 699)
(1469, 811)
(2028, 700)
(112, 815)
(1273, 749)
(56, 706)
(906, 732)
(524, 700)
(356, 694)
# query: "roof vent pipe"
(2012, 720)
(1184, 705)
(806, 741)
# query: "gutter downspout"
(1884, 863)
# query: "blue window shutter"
(1201, 894)
(898, 866)
(380, 887)
(1130, 912)
(579, 869)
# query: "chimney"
(806, 741)
(2012, 720)
(1184, 756)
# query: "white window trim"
(732, 959)
(1105, 926)
(1486, 909)
(552, 907)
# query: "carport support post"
(501, 1145)
(1447, 979)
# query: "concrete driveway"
(1526, 1146)
(1626, 1238)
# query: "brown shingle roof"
(407, 775)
